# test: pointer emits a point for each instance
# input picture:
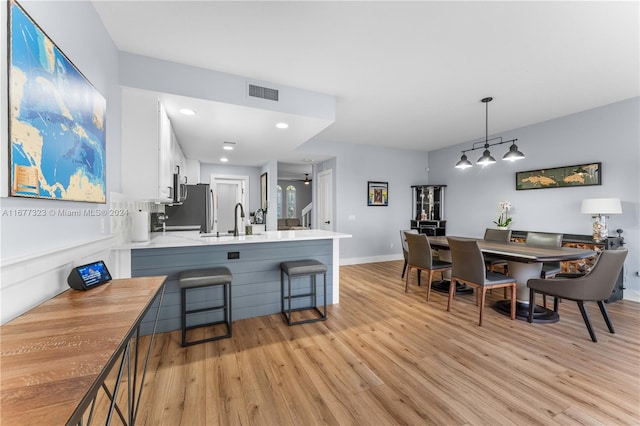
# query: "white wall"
(609, 134)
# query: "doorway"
(227, 192)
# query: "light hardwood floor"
(386, 357)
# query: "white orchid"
(503, 219)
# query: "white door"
(227, 193)
(325, 200)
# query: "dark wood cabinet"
(427, 205)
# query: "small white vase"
(503, 227)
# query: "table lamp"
(600, 208)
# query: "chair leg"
(544, 300)
(404, 268)
(555, 304)
(452, 292)
(605, 314)
(532, 304)
(513, 301)
(419, 283)
(406, 282)
(585, 317)
(484, 293)
(429, 284)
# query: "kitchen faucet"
(235, 218)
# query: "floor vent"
(263, 92)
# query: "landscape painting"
(559, 177)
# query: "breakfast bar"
(254, 261)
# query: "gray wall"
(374, 230)
(303, 197)
(78, 31)
(608, 134)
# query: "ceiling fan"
(306, 180)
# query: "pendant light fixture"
(486, 158)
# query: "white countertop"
(194, 238)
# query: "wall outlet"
(233, 255)
(391, 245)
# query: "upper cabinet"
(150, 150)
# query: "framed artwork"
(377, 193)
(57, 120)
(263, 192)
(560, 177)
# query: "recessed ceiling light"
(228, 146)
(187, 111)
(282, 125)
(307, 160)
(224, 159)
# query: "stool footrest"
(213, 308)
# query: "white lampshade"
(601, 206)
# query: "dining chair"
(405, 250)
(421, 258)
(501, 235)
(468, 268)
(546, 239)
(595, 286)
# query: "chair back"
(467, 260)
(546, 239)
(419, 250)
(403, 241)
(501, 235)
(600, 281)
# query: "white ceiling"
(405, 74)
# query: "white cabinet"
(147, 170)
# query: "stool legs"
(226, 306)
(286, 311)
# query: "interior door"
(325, 200)
(227, 193)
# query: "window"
(291, 201)
(279, 200)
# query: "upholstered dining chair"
(405, 250)
(501, 235)
(546, 239)
(468, 268)
(595, 286)
(421, 258)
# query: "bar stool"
(199, 278)
(302, 268)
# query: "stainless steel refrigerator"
(195, 211)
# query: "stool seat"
(204, 277)
(303, 267)
(195, 280)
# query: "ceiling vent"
(263, 92)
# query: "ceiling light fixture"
(306, 179)
(228, 146)
(512, 155)
(187, 111)
(224, 159)
(282, 125)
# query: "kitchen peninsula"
(254, 261)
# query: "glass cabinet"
(427, 204)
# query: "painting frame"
(57, 144)
(377, 194)
(264, 203)
(585, 174)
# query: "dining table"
(523, 262)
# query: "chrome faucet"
(235, 218)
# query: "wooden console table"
(55, 358)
